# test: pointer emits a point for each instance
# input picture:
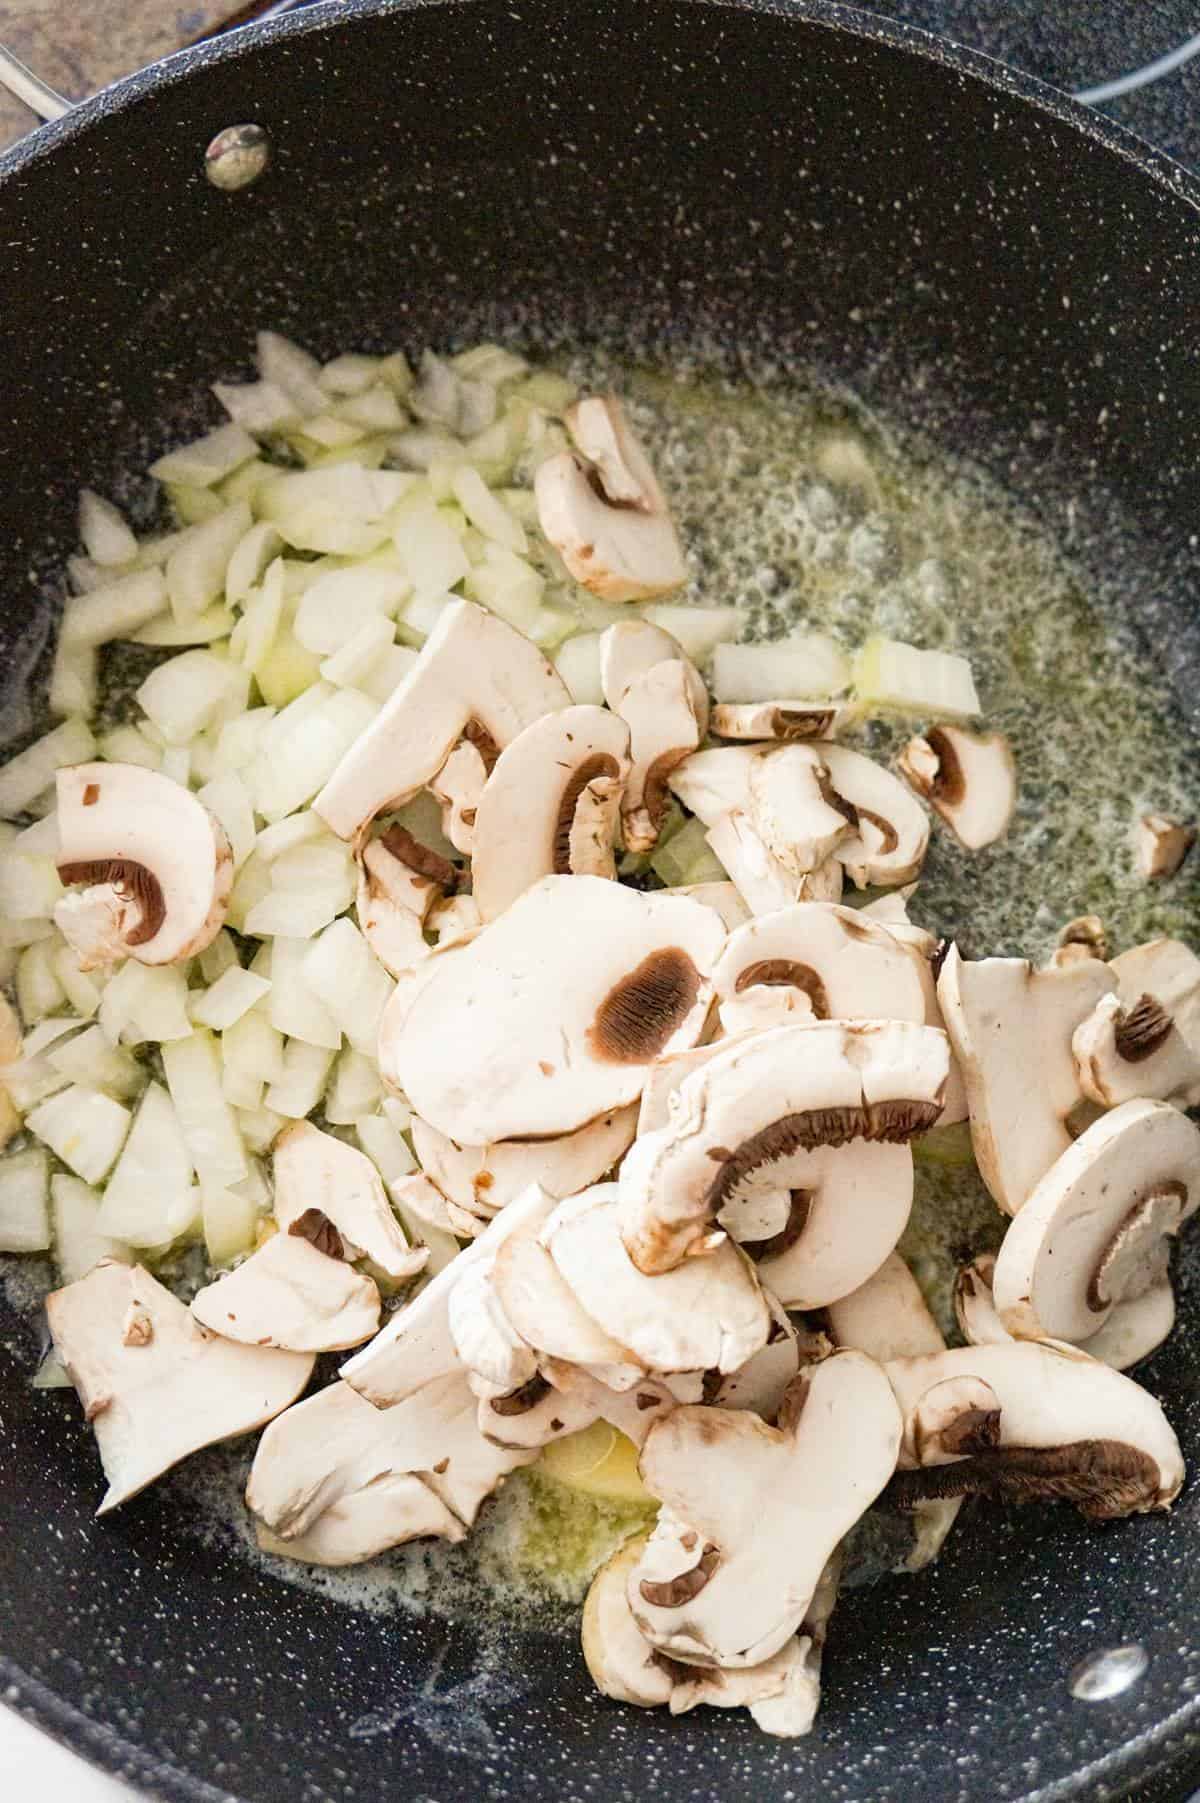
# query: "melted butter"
(814, 514)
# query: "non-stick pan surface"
(968, 249)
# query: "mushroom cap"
(155, 1397)
(525, 815)
(827, 1104)
(1126, 1052)
(1133, 1330)
(1170, 972)
(621, 1660)
(707, 1314)
(968, 779)
(791, 809)
(388, 1512)
(157, 865)
(889, 844)
(752, 1513)
(887, 1317)
(631, 1412)
(666, 724)
(616, 537)
(1011, 1028)
(473, 668)
(486, 1179)
(922, 948)
(289, 1294)
(1094, 1230)
(849, 968)
(786, 721)
(1107, 1443)
(553, 1014)
(316, 1170)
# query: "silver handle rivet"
(237, 157)
(1108, 1674)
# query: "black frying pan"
(795, 176)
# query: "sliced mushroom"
(1083, 937)
(550, 806)
(395, 896)
(762, 881)
(1124, 1052)
(155, 865)
(457, 788)
(622, 1661)
(1097, 1229)
(158, 1395)
(773, 819)
(631, 649)
(1069, 1429)
(416, 1347)
(454, 920)
(553, 1014)
(764, 1005)
(848, 968)
(474, 672)
(828, 1110)
(1011, 1028)
(761, 1383)
(293, 1294)
(663, 1079)
(632, 1412)
(316, 1170)
(752, 1513)
(486, 1179)
(665, 726)
(787, 721)
(1133, 1330)
(333, 1447)
(713, 783)
(707, 1314)
(603, 510)
(891, 833)
(534, 1414)
(483, 1336)
(791, 809)
(1161, 844)
(387, 1512)
(969, 780)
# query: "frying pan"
(970, 250)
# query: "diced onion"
(251, 1046)
(687, 858)
(187, 693)
(299, 761)
(218, 957)
(293, 1006)
(79, 1243)
(89, 1059)
(934, 684)
(196, 571)
(81, 989)
(258, 407)
(74, 679)
(347, 977)
(347, 667)
(355, 1089)
(251, 555)
(291, 369)
(300, 1087)
(578, 663)
(226, 797)
(335, 607)
(83, 1127)
(387, 671)
(145, 1002)
(29, 886)
(431, 551)
(259, 1127)
(230, 1224)
(193, 1073)
(150, 1199)
(231, 996)
(508, 586)
(387, 1149)
(698, 630)
(207, 459)
(801, 665)
(39, 991)
(24, 777)
(24, 1201)
(106, 537)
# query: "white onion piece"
(104, 531)
(88, 1058)
(935, 684)
(115, 611)
(337, 605)
(346, 976)
(74, 679)
(354, 1090)
(431, 551)
(292, 370)
(29, 886)
(193, 1073)
(187, 693)
(151, 1199)
(24, 777)
(293, 1005)
(79, 1243)
(145, 1002)
(24, 1201)
(698, 630)
(801, 665)
(578, 663)
(231, 996)
(208, 459)
(301, 1085)
(83, 1127)
(386, 1148)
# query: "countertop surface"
(78, 46)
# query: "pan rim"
(1160, 1751)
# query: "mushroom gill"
(892, 1122)
(132, 885)
(642, 1011)
(1103, 1478)
(600, 768)
(786, 973)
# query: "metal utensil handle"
(30, 88)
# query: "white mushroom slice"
(762, 1006)
(892, 836)
(622, 1662)
(454, 920)
(782, 1694)
(954, 1419)
(631, 649)
(762, 881)
(457, 788)
(824, 884)
(474, 672)
(416, 1346)
(848, 968)
(1069, 1428)
(968, 779)
(828, 1108)
(419, 1197)
(545, 1311)
(761, 1383)
(713, 783)
(533, 1414)
(665, 726)
(552, 1014)
(1096, 1230)
(1011, 1028)
(387, 1512)
(1161, 844)
(394, 898)
(787, 721)
(333, 1446)
(291, 1294)
(316, 1170)
(752, 1513)
(1133, 1330)
(487, 1178)
(527, 817)
(722, 898)
(663, 1079)
(1169, 971)
(1083, 937)
(1122, 1053)
(155, 863)
(792, 809)
(708, 1314)
(604, 511)
(165, 1392)
(482, 1333)
(632, 1412)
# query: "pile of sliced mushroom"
(589, 1152)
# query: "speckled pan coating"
(966, 248)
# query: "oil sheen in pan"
(812, 513)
